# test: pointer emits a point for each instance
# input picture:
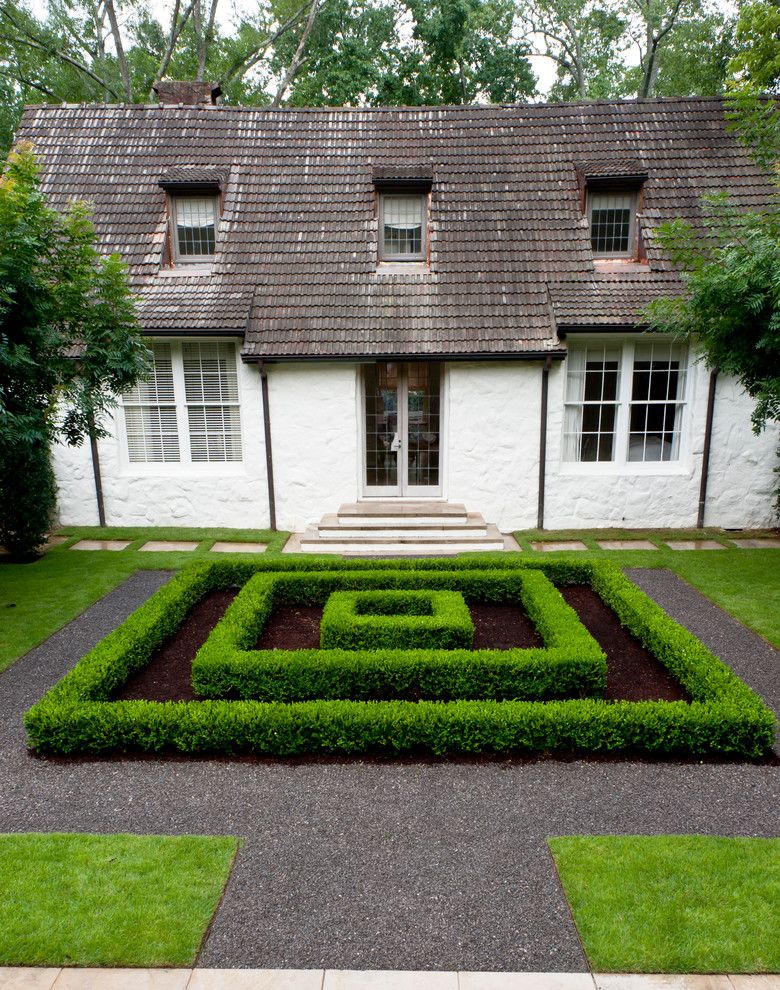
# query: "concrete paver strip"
(425, 865)
(158, 546)
(101, 545)
(694, 545)
(763, 982)
(758, 543)
(525, 981)
(653, 981)
(553, 545)
(27, 978)
(626, 545)
(122, 979)
(222, 546)
(388, 980)
(256, 979)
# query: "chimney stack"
(171, 92)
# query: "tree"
(69, 343)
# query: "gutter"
(705, 457)
(543, 442)
(557, 355)
(269, 458)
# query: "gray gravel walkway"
(384, 865)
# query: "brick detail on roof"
(296, 257)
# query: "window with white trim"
(624, 402)
(188, 409)
(194, 227)
(612, 216)
(403, 226)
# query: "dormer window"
(612, 220)
(194, 220)
(403, 226)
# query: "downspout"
(269, 460)
(705, 457)
(96, 472)
(543, 441)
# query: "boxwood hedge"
(77, 715)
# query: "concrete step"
(391, 510)
(407, 542)
(356, 527)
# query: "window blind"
(150, 413)
(211, 395)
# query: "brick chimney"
(172, 92)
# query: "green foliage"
(58, 298)
(28, 495)
(108, 900)
(370, 620)
(725, 716)
(571, 663)
(732, 304)
(673, 903)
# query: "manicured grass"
(37, 599)
(674, 904)
(108, 900)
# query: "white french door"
(402, 429)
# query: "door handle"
(395, 446)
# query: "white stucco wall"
(229, 495)
(314, 436)
(491, 441)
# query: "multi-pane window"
(195, 223)
(188, 408)
(211, 393)
(591, 403)
(624, 402)
(657, 390)
(150, 413)
(402, 226)
(612, 223)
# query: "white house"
(410, 305)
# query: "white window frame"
(633, 197)
(418, 256)
(185, 466)
(620, 464)
(191, 259)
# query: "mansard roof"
(295, 269)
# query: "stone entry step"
(409, 528)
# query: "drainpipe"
(543, 441)
(269, 460)
(96, 472)
(705, 457)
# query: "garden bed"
(379, 698)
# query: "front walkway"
(334, 979)
(380, 865)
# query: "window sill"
(402, 268)
(185, 271)
(619, 265)
(614, 469)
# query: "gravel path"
(385, 865)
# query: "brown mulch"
(633, 673)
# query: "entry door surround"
(402, 447)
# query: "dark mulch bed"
(633, 674)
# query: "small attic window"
(612, 221)
(194, 221)
(403, 234)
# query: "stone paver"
(694, 545)
(744, 982)
(55, 541)
(155, 546)
(621, 981)
(525, 981)
(256, 979)
(626, 545)
(122, 979)
(224, 547)
(27, 978)
(551, 545)
(759, 543)
(388, 980)
(101, 545)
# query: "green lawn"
(37, 599)
(108, 900)
(674, 904)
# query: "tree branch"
(296, 59)
(251, 58)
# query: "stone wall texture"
(491, 429)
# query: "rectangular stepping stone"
(27, 978)
(256, 979)
(154, 546)
(378, 979)
(525, 981)
(238, 547)
(664, 981)
(759, 543)
(122, 979)
(54, 541)
(101, 545)
(694, 545)
(626, 545)
(551, 545)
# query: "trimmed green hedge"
(571, 664)
(403, 620)
(725, 716)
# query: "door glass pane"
(381, 382)
(424, 385)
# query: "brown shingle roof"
(296, 255)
